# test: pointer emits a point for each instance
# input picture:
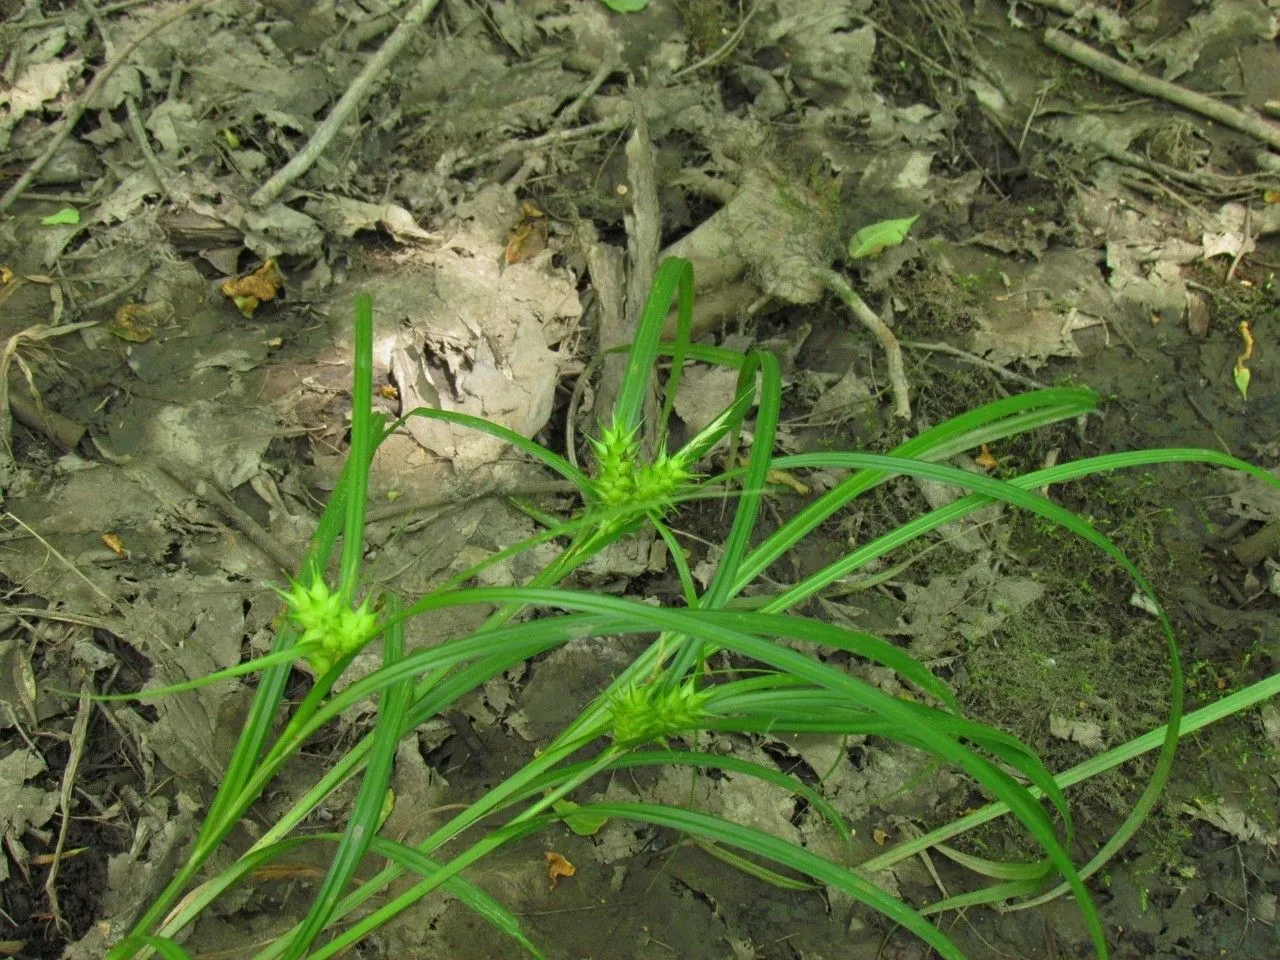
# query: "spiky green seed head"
(663, 479)
(643, 714)
(621, 479)
(615, 455)
(330, 628)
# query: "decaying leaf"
(128, 323)
(1084, 732)
(347, 217)
(529, 238)
(253, 289)
(22, 808)
(557, 867)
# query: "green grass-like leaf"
(779, 689)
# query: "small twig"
(1031, 115)
(139, 132)
(78, 199)
(100, 24)
(914, 51)
(977, 361)
(238, 518)
(61, 616)
(1200, 411)
(1126, 75)
(78, 731)
(1218, 185)
(867, 317)
(1068, 8)
(607, 67)
(112, 295)
(722, 51)
(106, 8)
(1154, 187)
(347, 105)
(77, 110)
(76, 571)
(451, 501)
(1245, 241)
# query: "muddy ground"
(176, 314)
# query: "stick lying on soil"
(77, 110)
(1112, 69)
(349, 103)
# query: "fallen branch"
(607, 125)
(1125, 75)
(879, 329)
(348, 104)
(77, 110)
(948, 350)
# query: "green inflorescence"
(643, 714)
(621, 479)
(331, 629)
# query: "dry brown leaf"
(529, 238)
(115, 545)
(128, 322)
(557, 867)
(255, 288)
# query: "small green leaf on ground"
(625, 6)
(583, 824)
(66, 215)
(877, 237)
(1241, 376)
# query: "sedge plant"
(649, 714)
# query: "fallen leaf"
(985, 460)
(557, 867)
(879, 836)
(115, 545)
(878, 237)
(1084, 732)
(529, 238)
(67, 215)
(583, 824)
(35, 86)
(127, 324)
(784, 479)
(254, 288)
